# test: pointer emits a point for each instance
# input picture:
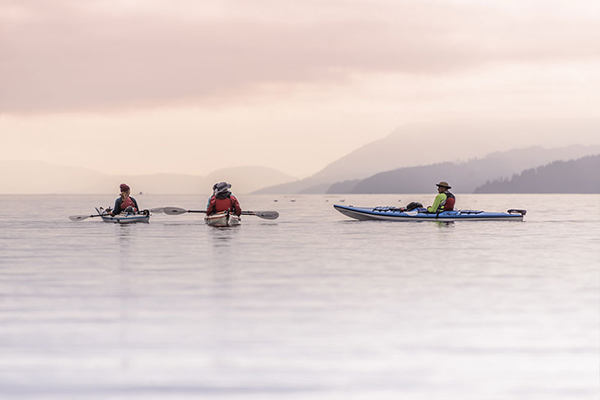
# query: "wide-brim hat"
(444, 184)
(222, 187)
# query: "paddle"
(260, 214)
(82, 217)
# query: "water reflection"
(124, 237)
(222, 237)
(124, 230)
(444, 224)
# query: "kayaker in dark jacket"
(444, 201)
(124, 203)
(223, 200)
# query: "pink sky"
(285, 84)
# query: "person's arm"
(137, 208)
(236, 206)
(436, 203)
(117, 208)
(211, 205)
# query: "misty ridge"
(574, 176)
(465, 177)
(468, 177)
(402, 162)
(33, 177)
(465, 153)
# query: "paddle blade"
(174, 210)
(263, 214)
(78, 217)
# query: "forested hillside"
(575, 176)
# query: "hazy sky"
(192, 86)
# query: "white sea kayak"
(124, 218)
(222, 219)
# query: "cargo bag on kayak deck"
(411, 206)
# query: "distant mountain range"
(574, 176)
(490, 173)
(420, 145)
(464, 177)
(409, 160)
(33, 177)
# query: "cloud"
(64, 56)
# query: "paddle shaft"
(260, 214)
(82, 217)
(243, 212)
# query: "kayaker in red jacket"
(124, 203)
(223, 200)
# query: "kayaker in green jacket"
(444, 201)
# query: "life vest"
(128, 203)
(449, 203)
(223, 204)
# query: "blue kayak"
(401, 214)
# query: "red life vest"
(219, 205)
(128, 203)
(450, 200)
(223, 204)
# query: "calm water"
(310, 306)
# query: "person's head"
(443, 186)
(221, 189)
(125, 190)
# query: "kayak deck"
(398, 214)
(223, 219)
(124, 218)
